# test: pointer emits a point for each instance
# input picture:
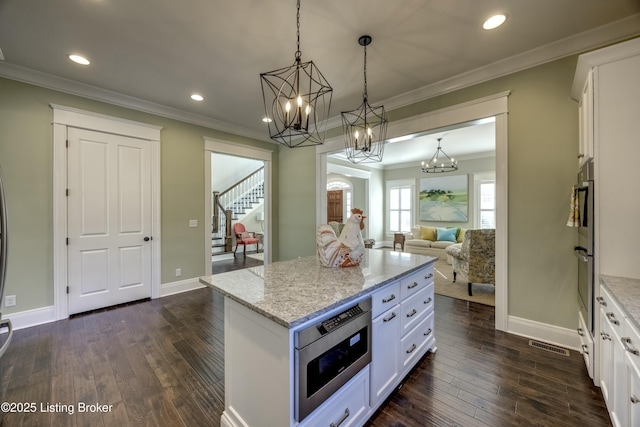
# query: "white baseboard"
(35, 317)
(563, 337)
(40, 316)
(180, 286)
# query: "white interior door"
(109, 219)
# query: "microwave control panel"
(337, 320)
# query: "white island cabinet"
(266, 306)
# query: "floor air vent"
(549, 347)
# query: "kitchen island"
(266, 306)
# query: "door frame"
(213, 145)
(63, 118)
(490, 106)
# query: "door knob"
(146, 239)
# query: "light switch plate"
(193, 223)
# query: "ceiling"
(152, 55)
(464, 141)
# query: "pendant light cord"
(365, 73)
(298, 52)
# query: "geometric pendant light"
(297, 100)
(365, 128)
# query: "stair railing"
(243, 193)
(234, 200)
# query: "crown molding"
(608, 34)
(49, 81)
(614, 32)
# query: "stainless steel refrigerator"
(4, 243)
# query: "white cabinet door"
(385, 353)
(619, 391)
(606, 359)
(586, 120)
(634, 396)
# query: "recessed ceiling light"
(79, 59)
(197, 97)
(266, 120)
(494, 22)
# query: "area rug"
(259, 256)
(482, 294)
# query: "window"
(486, 202)
(399, 202)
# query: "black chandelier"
(365, 128)
(297, 100)
(440, 162)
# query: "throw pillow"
(460, 235)
(447, 234)
(428, 233)
(245, 235)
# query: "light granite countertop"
(627, 292)
(292, 292)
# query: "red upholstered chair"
(244, 237)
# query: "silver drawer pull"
(428, 301)
(391, 298)
(428, 276)
(426, 334)
(341, 420)
(413, 313)
(634, 399)
(601, 301)
(413, 347)
(585, 349)
(413, 285)
(626, 342)
(390, 318)
(580, 332)
(612, 318)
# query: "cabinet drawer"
(412, 346)
(347, 407)
(414, 308)
(612, 311)
(631, 343)
(586, 344)
(385, 298)
(416, 281)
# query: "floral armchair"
(476, 259)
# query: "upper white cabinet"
(585, 118)
(607, 86)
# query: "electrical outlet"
(178, 272)
(9, 300)
(193, 223)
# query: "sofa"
(423, 239)
(475, 259)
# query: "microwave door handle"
(581, 253)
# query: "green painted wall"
(543, 138)
(27, 165)
(542, 162)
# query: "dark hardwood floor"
(160, 363)
(238, 262)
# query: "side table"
(398, 238)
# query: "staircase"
(234, 204)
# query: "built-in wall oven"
(584, 248)
(329, 353)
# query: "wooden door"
(109, 219)
(334, 205)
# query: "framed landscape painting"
(444, 199)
